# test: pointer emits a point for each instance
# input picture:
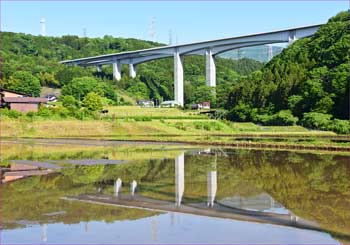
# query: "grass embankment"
(173, 125)
(39, 150)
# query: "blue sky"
(189, 21)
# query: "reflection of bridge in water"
(261, 208)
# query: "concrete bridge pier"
(99, 68)
(132, 70)
(178, 78)
(210, 68)
(179, 178)
(292, 37)
(212, 187)
(117, 70)
(117, 187)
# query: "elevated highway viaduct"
(209, 48)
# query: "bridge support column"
(210, 68)
(292, 37)
(117, 70)
(212, 187)
(99, 68)
(132, 70)
(178, 78)
(179, 178)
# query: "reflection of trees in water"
(30, 199)
(314, 187)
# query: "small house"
(202, 105)
(206, 105)
(145, 103)
(23, 104)
(170, 103)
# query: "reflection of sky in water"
(189, 178)
(166, 228)
(262, 202)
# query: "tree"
(92, 101)
(139, 90)
(80, 87)
(310, 76)
(24, 82)
(204, 93)
(69, 102)
(48, 79)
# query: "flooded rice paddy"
(117, 192)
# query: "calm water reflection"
(238, 196)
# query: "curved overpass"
(209, 48)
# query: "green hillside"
(307, 83)
(38, 58)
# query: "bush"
(10, 113)
(240, 113)
(69, 101)
(92, 102)
(340, 126)
(142, 119)
(281, 118)
(79, 114)
(284, 118)
(63, 112)
(317, 120)
(30, 114)
(44, 112)
(264, 119)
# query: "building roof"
(11, 91)
(24, 100)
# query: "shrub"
(69, 101)
(30, 115)
(316, 120)
(44, 112)
(281, 118)
(64, 112)
(340, 126)
(79, 114)
(240, 113)
(92, 102)
(10, 113)
(284, 117)
(264, 119)
(142, 119)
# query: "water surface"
(208, 195)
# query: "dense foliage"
(310, 76)
(39, 56)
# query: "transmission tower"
(84, 32)
(43, 27)
(152, 29)
(170, 37)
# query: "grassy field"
(174, 126)
(155, 113)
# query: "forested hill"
(36, 58)
(310, 79)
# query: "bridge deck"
(218, 211)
